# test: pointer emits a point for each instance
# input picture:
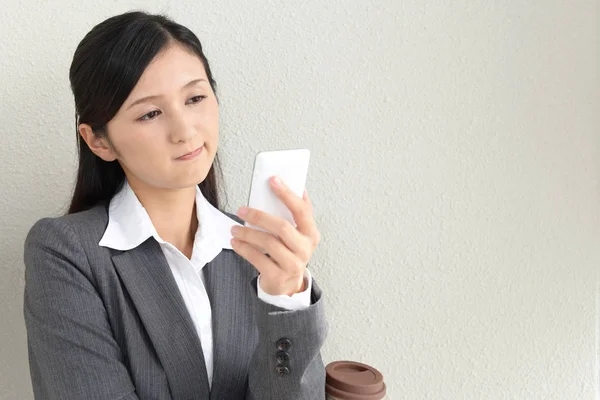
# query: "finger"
(298, 207)
(260, 261)
(307, 201)
(274, 247)
(314, 234)
(289, 235)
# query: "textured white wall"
(455, 172)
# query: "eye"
(195, 99)
(151, 115)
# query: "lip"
(191, 154)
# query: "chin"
(194, 178)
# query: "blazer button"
(284, 344)
(282, 357)
(282, 371)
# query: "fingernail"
(243, 211)
(277, 181)
(235, 230)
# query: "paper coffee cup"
(350, 380)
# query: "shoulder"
(61, 234)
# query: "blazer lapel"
(217, 273)
(150, 283)
(228, 284)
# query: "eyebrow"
(146, 98)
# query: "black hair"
(107, 64)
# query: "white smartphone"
(291, 166)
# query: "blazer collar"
(162, 310)
(150, 284)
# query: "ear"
(98, 146)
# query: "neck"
(172, 212)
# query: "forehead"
(172, 68)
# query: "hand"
(282, 270)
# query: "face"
(172, 111)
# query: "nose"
(182, 128)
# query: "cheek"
(210, 113)
(140, 148)
(212, 122)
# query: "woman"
(145, 290)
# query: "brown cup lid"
(350, 380)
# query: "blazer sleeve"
(287, 363)
(72, 352)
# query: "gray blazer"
(109, 324)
